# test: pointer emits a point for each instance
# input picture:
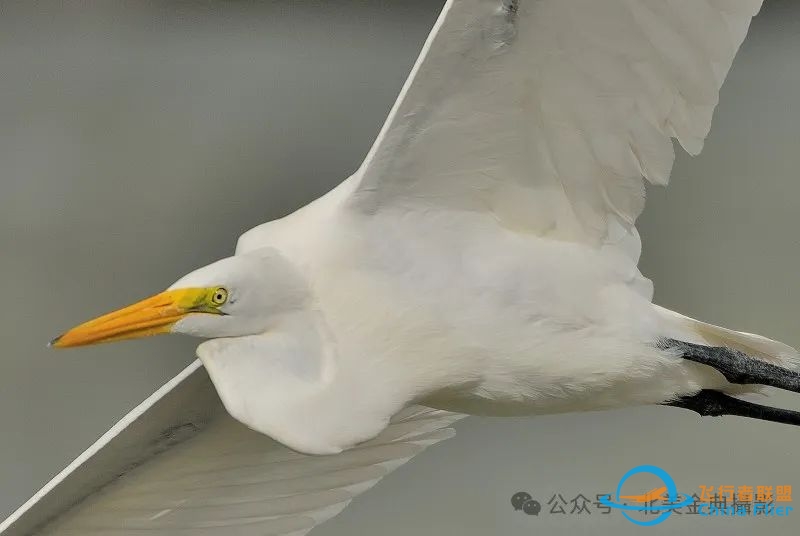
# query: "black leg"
(737, 367)
(714, 403)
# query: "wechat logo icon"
(522, 500)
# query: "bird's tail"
(753, 345)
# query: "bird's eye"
(220, 296)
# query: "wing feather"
(223, 480)
(546, 115)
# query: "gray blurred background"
(138, 141)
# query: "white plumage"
(482, 260)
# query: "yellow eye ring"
(219, 296)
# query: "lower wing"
(179, 464)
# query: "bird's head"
(233, 297)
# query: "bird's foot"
(714, 403)
(740, 369)
(737, 367)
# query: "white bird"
(482, 260)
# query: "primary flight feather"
(482, 260)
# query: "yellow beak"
(150, 316)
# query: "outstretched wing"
(546, 114)
(178, 464)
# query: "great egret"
(482, 260)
